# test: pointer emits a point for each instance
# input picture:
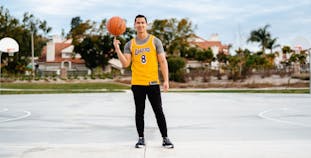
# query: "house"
(214, 43)
(114, 64)
(297, 66)
(58, 56)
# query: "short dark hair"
(140, 16)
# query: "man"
(145, 52)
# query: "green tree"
(39, 29)
(75, 22)
(245, 62)
(222, 58)
(94, 43)
(286, 49)
(234, 68)
(189, 53)
(205, 55)
(272, 44)
(21, 32)
(270, 59)
(301, 58)
(176, 67)
(261, 36)
(78, 29)
(173, 33)
(240, 66)
(95, 50)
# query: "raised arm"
(124, 58)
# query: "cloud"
(287, 17)
(59, 7)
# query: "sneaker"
(167, 143)
(140, 143)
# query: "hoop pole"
(309, 50)
(0, 71)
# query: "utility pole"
(32, 54)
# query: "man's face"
(140, 25)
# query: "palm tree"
(262, 36)
(272, 44)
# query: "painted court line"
(263, 115)
(27, 114)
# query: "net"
(10, 51)
(11, 54)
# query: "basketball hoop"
(7, 45)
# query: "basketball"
(116, 26)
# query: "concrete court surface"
(201, 125)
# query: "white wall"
(50, 51)
(215, 50)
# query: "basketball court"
(101, 125)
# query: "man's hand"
(166, 86)
(116, 44)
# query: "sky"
(289, 20)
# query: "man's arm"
(164, 70)
(124, 58)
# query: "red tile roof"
(210, 44)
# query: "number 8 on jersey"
(143, 59)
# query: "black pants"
(154, 96)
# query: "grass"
(292, 91)
(55, 92)
(52, 88)
(63, 86)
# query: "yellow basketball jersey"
(144, 63)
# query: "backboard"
(8, 45)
